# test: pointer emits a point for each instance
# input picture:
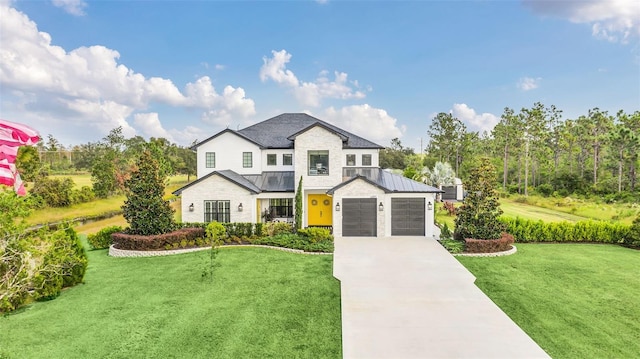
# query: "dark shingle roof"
(387, 181)
(275, 132)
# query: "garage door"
(359, 217)
(407, 216)
(449, 192)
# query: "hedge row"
(489, 245)
(525, 230)
(181, 238)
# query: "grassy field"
(96, 207)
(556, 210)
(262, 303)
(574, 300)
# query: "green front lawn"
(574, 300)
(262, 303)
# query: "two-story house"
(252, 175)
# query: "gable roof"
(226, 174)
(280, 131)
(387, 181)
(226, 130)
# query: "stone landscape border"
(123, 253)
(495, 254)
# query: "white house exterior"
(251, 175)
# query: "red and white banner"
(12, 136)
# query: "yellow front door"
(319, 211)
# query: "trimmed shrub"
(102, 239)
(316, 234)
(296, 241)
(489, 245)
(525, 230)
(215, 231)
(632, 237)
(275, 228)
(181, 238)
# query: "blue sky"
(185, 70)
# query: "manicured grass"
(261, 303)
(574, 300)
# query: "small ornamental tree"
(144, 209)
(477, 218)
(298, 212)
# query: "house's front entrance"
(319, 210)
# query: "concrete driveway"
(407, 297)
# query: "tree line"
(536, 148)
(110, 162)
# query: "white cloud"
(477, 122)
(612, 20)
(308, 93)
(149, 124)
(220, 67)
(88, 86)
(368, 122)
(73, 7)
(529, 83)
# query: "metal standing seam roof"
(274, 181)
(275, 132)
(387, 181)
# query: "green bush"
(316, 234)
(64, 264)
(545, 189)
(275, 228)
(102, 239)
(215, 231)
(53, 192)
(525, 230)
(83, 195)
(452, 246)
(632, 237)
(296, 241)
(445, 233)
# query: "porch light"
(240, 207)
(429, 206)
(191, 208)
(337, 206)
(381, 207)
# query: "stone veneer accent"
(123, 253)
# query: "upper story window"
(247, 159)
(287, 159)
(271, 159)
(351, 160)
(366, 160)
(318, 163)
(210, 160)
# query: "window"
(210, 160)
(351, 160)
(247, 159)
(287, 159)
(318, 163)
(281, 207)
(219, 211)
(366, 160)
(271, 159)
